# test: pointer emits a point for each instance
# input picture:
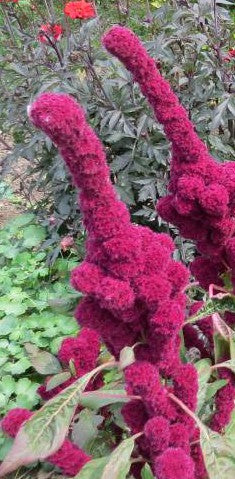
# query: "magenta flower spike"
(201, 200)
(134, 290)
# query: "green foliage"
(218, 452)
(28, 286)
(45, 432)
(146, 472)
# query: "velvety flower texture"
(132, 285)
(201, 200)
(69, 458)
(133, 288)
(83, 351)
(202, 192)
(165, 425)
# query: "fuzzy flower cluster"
(133, 288)
(83, 351)
(201, 200)
(69, 458)
(167, 429)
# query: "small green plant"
(36, 304)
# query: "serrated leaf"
(33, 235)
(44, 433)
(93, 469)
(127, 357)
(57, 380)
(218, 452)
(146, 472)
(119, 463)
(204, 371)
(214, 305)
(7, 325)
(19, 221)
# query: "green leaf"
(218, 452)
(119, 463)
(146, 472)
(7, 325)
(12, 306)
(7, 385)
(42, 361)
(19, 221)
(127, 357)
(19, 367)
(93, 469)
(86, 429)
(33, 235)
(57, 380)
(103, 397)
(214, 305)
(45, 432)
(204, 372)
(212, 388)
(221, 347)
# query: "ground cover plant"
(35, 311)
(169, 340)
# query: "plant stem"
(54, 46)
(187, 410)
(4, 143)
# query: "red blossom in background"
(66, 243)
(230, 55)
(54, 32)
(81, 9)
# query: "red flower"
(80, 9)
(66, 243)
(54, 32)
(9, 1)
(232, 53)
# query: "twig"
(53, 45)
(4, 143)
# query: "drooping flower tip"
(79, 9)
(57, 115)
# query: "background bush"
(190, 41)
